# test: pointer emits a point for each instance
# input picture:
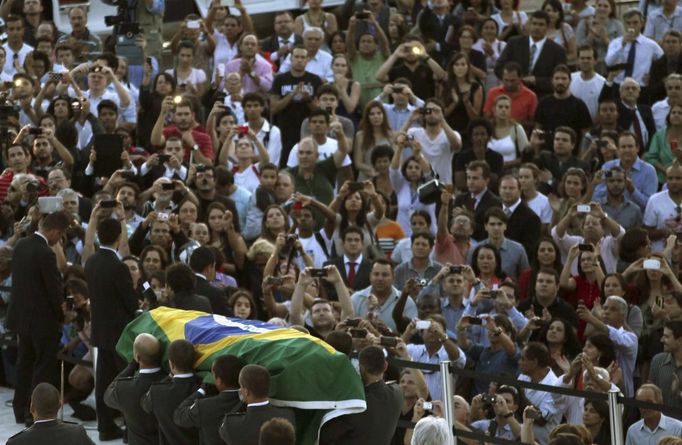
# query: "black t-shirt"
(463, 158)
(289, 120)
(423, 85)
(571, 112)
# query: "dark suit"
(434, 29)
(625, 114)
(35, 314)
(244, 428)
(206, 414)
(659, 71)
(271, 45)
(362, 272)
(189, 301)
(113, 303)
(217, 297)
(487, 201)
(161, 401)
(125, 394)
(518, 50)
(523, 226)
(374, 426)
(54, 432)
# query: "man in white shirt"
(586, 84)
(663, 213)
(319, 122)
(663, 20)
(534, 367)
(673, 92)
(438, 141)
(639, 59)
(15, 48)
(268, 134)
(319, 62)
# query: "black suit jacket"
(113, 300)
(161, 401)
(217, 297)
(433, 29)
(206, 414)
(374, 426)
(244, 428)
(518, 50)
(271, 45)
(523, 226)
(488, 200)
(54, 432)
(659, 71)
(125, 394)
(361, 273)
(37, 292)
(189, 301)
(625, 113)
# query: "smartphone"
(428, 406)
(318, 273)
(35, 131)
(164, 158)
(475, 321)
(274, 280)
(534, 415)
(226, 3)
(55, 77)
(651, 264)
(162, 216)
(358, 333)
(584, 208)
(389, 342)
(108, 204)
(354, 186)
(50, 204)
(362, 15)
(585, 247)
(167, 186)
(221, 68)
(423, 325)
(353, 322)
(193, 24)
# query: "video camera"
(126, 31)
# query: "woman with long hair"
(586, 285)
(349, 89)
(275, 221)
(219, 125)
(596, 420)
(243, 305)
(337, 43)
(660, 151)
(397, 29)
(509, 137)
(463, 94)
(154, 259)
(151, 98)
(559, 31)
(188, 214)
(492, 48)
(510, 21)
(413, 387)
(374, 131)
(572, 189)
(487, 265)
(224, 237)
(546, 256)
(599, 30)
(406, 177)
(562, 342)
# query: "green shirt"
(321, 184)
(364, 71)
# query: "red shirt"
(6, 180)
(200, 136)
(523, 104)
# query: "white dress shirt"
(320, 65)
(646, 52)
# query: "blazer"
(375, 426)
(37, 290)
(659, 71)
(244, 428)
(113, 300)
(518, 50)
(217, 297)
(488, 200)
(53, 432)
(189, 301)
(206, 414)
(523, 226)
(625, 113)
(271, 44)
(125, 394)
(361, 273)
(432, 29)
(161, 401)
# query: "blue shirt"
(385, 311)
(640, 434)
(644, 179)
(513, 256)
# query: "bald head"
(146, 350)
(45, 402)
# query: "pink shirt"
(263, 71)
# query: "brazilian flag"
(307, 374)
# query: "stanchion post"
(615, 419)
(448, 394)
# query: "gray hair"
(313, 29)
(621, 302)
(67, 192)
(672, 77)
(430, 431)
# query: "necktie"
(631, 60)
(471, 203)
(507, 211)
(531, 59)
(351, 274)
(637, 127)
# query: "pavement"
(8, 428)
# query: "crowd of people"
(436, 180)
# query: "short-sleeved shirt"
(524, 102)
(385, 312)
(320, 184)
(663, 367)
(661, 212)
(289, 119)
(202, 139)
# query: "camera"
(167, 186)
(585, 247)
(428, 406)
(389, 342)
(456, 269)
(276, 281)
(362, 15)
(358, 333)
(318, 273)
(200, 168)
(422, 282)
(353, 322)
(489, 398)
(242, 130)
(291, 241)
(35, 131)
